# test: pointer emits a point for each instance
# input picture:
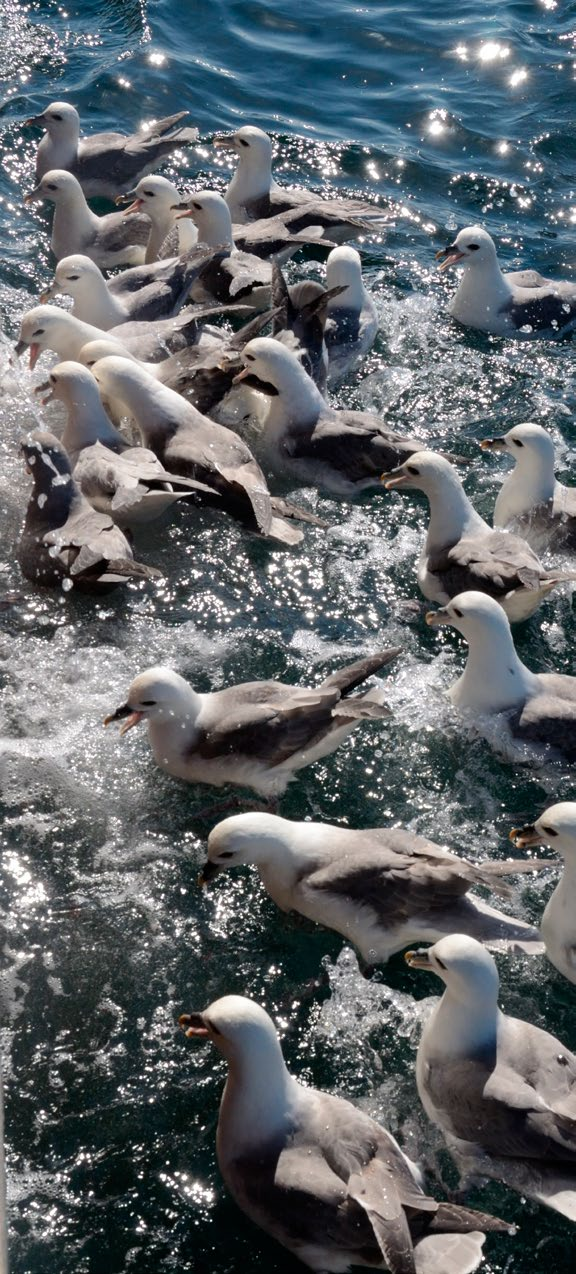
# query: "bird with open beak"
(556, 827)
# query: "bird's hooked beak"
(253, 381)
(34, 348)
(193, 1026)
(182, 210)
(45, 388)
(246, 370)
(395, 478)
(208, 872)
(224, 141)
(493, 444)
(436, 618)
(38, 120)
(34, 195)
(127, 714)
(449, 256)
(49, 293)
(418, 960)
(136, 205)
(524, 837)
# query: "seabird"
(110, 241)
(105, 164)
(461, 552)
(541, 705)
(142, 294)
(256, 734)
(556, 827)
(49, 327)
(64, 541)
(268, 237)
(189, 443)
(381, 888)
(127, 483)
(231, 274)
(531, 498)
(343, 451)
(522, 303)
(318, 1174)
(301, 309)
(502, 1091)
(352, 317)
(156, 197)
(253, 193)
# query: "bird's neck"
(73, 218)
(51, 504)
(172, 732)
(72, 334)
(494, 678)
(352, 299)
(256, 1104)
(187, 234)
(461, 1028)
(451, 516)
(527, 486)
(250, 181)
(156, 409)
(215, 230)
(482, 291)
(87, 424)
(160, 227)
(98, 306)
(297, 405)
(55, 154)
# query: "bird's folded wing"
(269, 732)
(489, 564)
(375, 1191)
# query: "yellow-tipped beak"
(450, 255)
(435, 618)
(241, 375)
(524, 837)
(417, 959)
(493, 444)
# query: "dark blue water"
(458, 113)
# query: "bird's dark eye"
(517, 442)
(51, 187)
(458, 612)
(412, 469)
(249, 358)
(243, 141)
(550, 831)
(228, 853)
(52, 378)
(197, 206)
(473, 247)
(73, 278)
(150, 194)
(440, 962)
(58, 117)
(148, 703)
(39, 332)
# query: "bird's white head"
(118, 374)
(475, 615)
(256, 837)
(252, 145)
(464, 965)
(60, 119)
(157, 694)
(210, 214)
(274, 369)
(344, 270)
(528, 444)
(556, 827)
(472, 247)
(67, 382)
(44, 327)
(93, 351)
(424, 471)
(153, 195)
(58, 187)
(239, 1028)
(75, 276)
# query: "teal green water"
(460, 113)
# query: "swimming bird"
(531, 498)
(231, 273)
(302, 309)
(65, 542)
(128, 483)
(268, 237)
(106, 164)
(541, 705)
(502, 1091)
(157, 198)
(256, 734)
(521, 303)
(111, 240)
(381, 888)
(343, 451)
(351, 317)
(142, 294)
(461, 552)
(318, 1174)
(49, 327)
(193, 445)
(253, 192)
(556, 827)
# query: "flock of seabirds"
(149, 384)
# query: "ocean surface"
(457, 113)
